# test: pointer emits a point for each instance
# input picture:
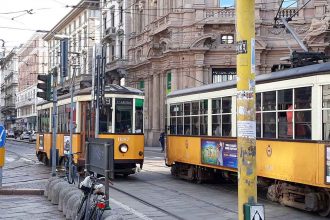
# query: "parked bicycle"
(74, 171)
(93, 202)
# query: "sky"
(18, 22)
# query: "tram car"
(292, 127)
(120, 118)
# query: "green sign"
(169, 82)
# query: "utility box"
(254, 212)
(100, 156)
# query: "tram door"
(87, 123)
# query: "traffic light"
(44, 85)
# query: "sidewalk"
(24, 180)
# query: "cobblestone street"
(28, 207)
(21, 171)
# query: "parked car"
(25, 135)
(10, 133)
(33, 136)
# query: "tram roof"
(298, 72)
(110, 89)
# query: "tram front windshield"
(124, 115)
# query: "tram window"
(187, 129)
(284, 99)
(285, 126)
(216, 123)
(195, 125)
(179, 109)
(326, 96)
(173, 126)
(269, 101)
(172, 110)
(105, 122)
(43, 120)
(258, 101)
(326, 124)
(303, 97)
(216, 106)
(303, 125)
(195, 108)
(226, 105)
(326, 112)
(179, 122)
(187, 108)
(203, 125)
(269, 125)
(203, 107)
(226, 125)
(124, 112)
(139, 115)
(258, 120)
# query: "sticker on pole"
(257, 212)
(2, 136)
(241, 47)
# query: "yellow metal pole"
(246, 121)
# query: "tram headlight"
(123, 148)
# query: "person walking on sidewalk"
(162, 140)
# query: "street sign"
(254, 212)
(2, 136)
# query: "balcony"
(290, 12)
(116, 64)
(109, 34)
(219, 15)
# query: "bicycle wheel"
(99, 213)
(67, 171)
(82, 209)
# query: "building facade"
(9, 88)
(115, 38)
(176, 44)
(33, 58)
(81, 27)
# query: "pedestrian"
(162, 140)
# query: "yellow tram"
(292, 127)
(120, 118)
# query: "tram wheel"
(199, 178)
(45, 160)
(326, 211)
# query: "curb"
(18, 192)
(22, 141)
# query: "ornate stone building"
(175, 44)
(9, 87)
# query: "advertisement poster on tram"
(219, 152)
(327, 165)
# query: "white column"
(199, 76)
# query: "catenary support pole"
(54, 122)
(71, 121)
(246, 122)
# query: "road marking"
(10, 159)
(129, 209)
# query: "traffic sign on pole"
(2, 136)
